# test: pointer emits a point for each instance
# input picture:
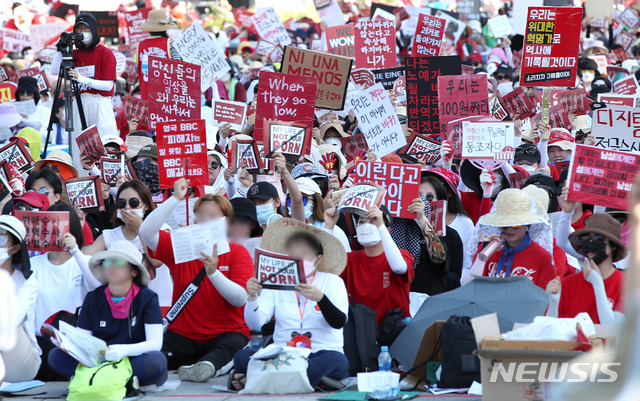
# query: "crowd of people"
(118, 266)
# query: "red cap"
(35, 199)
(475, 56)
(451, 178)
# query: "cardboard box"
(428, 345)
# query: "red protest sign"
(245, 154)
(428, 38)
(130, 72)
(284, 97)
(8, 91)
(340, 40)
(551, 46)
(602, 177)
(438, 217)
(90, 144)
(28, 72)
(134, 19)
(375, 43)
(462, 96)
(360, 198)
(135, 108)
(43, 82)
(228, 112)
(626, 86)
(354, 146)
(182, 152)
(293, 140)
(85, 193)
(496, 107)
(278, 272)
(44, 229)
(624, 39)
(243, 18)
(174, 91)
(558, 117)
(517, 179)
(363, 77)
(518, 104)
(574, 101)
(617, 100)
(402, 182)
(420, 148)
(111, 168)
(17, 154)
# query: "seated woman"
(319, 307)
(124, 313)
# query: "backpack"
(459, 366)
(360, 340)
(108, 381)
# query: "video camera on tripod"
(66, 42)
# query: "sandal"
(236, 383)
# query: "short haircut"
(48, 175)
(223, 203)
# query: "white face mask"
(334, 141)
(139, 212)
(4, 255)
(530, 169)
(87, 37)
(225, 77)
(588, 76)
(368, 235)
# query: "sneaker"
(198, 372)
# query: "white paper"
(251, 244)
(370, 381)
(82, 346)
(612, 130)
(476, 388)
(500, 26)
(26, 107)
(189, 241)
(331, 14)
(178, 216)
(520, 9)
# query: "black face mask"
(149, 175)
(600, 250)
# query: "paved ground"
(200, 392)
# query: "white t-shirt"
(464, 226)
(62, 288)
(26, 292)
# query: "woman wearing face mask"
(587, 72)
(199, 343)
(330, 134)
(267, 200)
(319, 307)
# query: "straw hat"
(512, 208)
(540, 198)
(326, 126)
(605, 225)
(157, 21)
(122, 250)
(57, 157)
(334, 257)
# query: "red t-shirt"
(579, 224)
(533, 262)
(370, 281)
(475, 205)
(99, 64)
(577, 295)
(208, 314)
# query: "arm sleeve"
(153, 342)
(554, 305)
(96, 84)
(340, 236)
(150, 228)
(605, 312)
(83, 262)
(391, 251)
(257, 313)
(334, 316)
(55, 64)
(544, 157)
(562, 234)
(230, 291)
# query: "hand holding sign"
(180, 188)
(253, 289)
(375, 216)
(211, 262)
(417, 206)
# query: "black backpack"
(459, 366)
(360, 344)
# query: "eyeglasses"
(215, 165)
(112, 262)
(305, 199)
(25, 207)
(121, 203)
(44, 191)
(595, 239)
(516, 227)
(526, 151)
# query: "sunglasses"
(526, 151)
(43, 191)
(52, 167)
(305, 200)
(25, 207)
(430, 197)
(112, 262)
(215, 165)
(140, 164)
(595, 239)
(121, 203)
(500, 77)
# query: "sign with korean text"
(626, 86)
(270, 28)
(518, 104)
(462, 96)
(17, 154)
(107, 23)
(293, 140)
(421, 148)
(630, 18)
(402, 182)
(375, 43)
(429, 34)
(135, 108)
(44, 229)
(277, 271)
(496, 108)
(197, 47)
(551, 45)
(228, 112)
(182, 152)
(90, 144)
(360, 198)
(617, 128)
(363, 78)
(111, 169)
(388, 76)
(284, 97)
(558, 117)
(12, 40)
(134, 19)
(354, 146)
(602, 177)
(331, 71)
(575, 101)
(264, 48)
(484, 140)
(174, 91)
(41, 34)
(340, 40)
(245, 154)
(8, 91)
(624, 39)
(85, 193)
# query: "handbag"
(284, 374)
(108, 381)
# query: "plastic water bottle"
(383, 393)
(384, 360)
(256, 340)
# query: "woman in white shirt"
(317, 309)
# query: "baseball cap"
(244, 208)
(150, 151)
(262, 190)
(306, 170)
(14, 226)
(107, 139)
(307, 186)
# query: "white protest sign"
(617, 128)
(12, 40)
(329, 12)
(487, 140)
(42, 33)
(178, 216)
(269, 27)
(360, 198)
(500, 26)
(197, 47)
(277, 271)
(520, 11)
(189, 241)
(378, 121)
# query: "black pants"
(220, 350)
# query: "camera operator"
(95, 71)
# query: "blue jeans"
(150, 367)
(331, 364)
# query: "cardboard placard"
(551, 46)
(111, 169)
(269, 27)
(331, 71)
(291, 139)
(485, 140)
(107, 23)
(428, 38)
(13, 40)
(617, 100)
(352, 145)
(41, 34)
(85, 193)
(182, 152)
(340, 40)
(462, 96)
(284, 97)
(617, 128)
(44, 229)
(43, 82)
(228, 112)
(626, 86)
(197, 47)
(17, 154)
(518, 104)
(134, 19)
(496, 108)
(277, 271)
(500, 26)
(438, 217)
(174, 91)
(602, 177)
(360, 198)
(135, 108)
(363, 78)
(90, 144)
(378, 121)
(422, 90)
(388, 76)
(402, 182)
(245, 154)
(421, 148)
(375, 43)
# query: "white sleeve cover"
(150, 229)
(606, 313)
(154, 334)
(392, 252)
(232, 292)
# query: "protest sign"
(130, 72)
(331, 71)
(269, 27)
(518, 104)
(375, 43)
(500, 26)
(28, 72)
(626, 86)
(41, 34)
(422, 90)
(552, 42)
(107, 23)
(135, 108)
(360, 198)
(363, 77)
(353, 146)
(85, 193)
(486, 140)
(197, 47)
(245, 154)
(420, 148)
(182, 152)
(187, 242)
(278, 272)
(43, 82)
(26, 107)
(90, 144)
(8, 91)
(387, 76)
(378, 121)
(429, 34)
(111, 169)
(468, 9)
(329, 12)
(3, 74)
(44, 229)
(243, 18)
(17, 154)
(178, 217)
(284, 97)
(291, 139)
(134, 19)
(453, 29)
(174, 91)
(438, 217)
(599, 9)
(402, 182)
(400, 91)
(264, 48)
(228, 112)
(624, 39)
(630, 18)
(558, 118)
(496, 108)
(13, 40)
(340, 40)
(277, 54)
(617, 100)
(617, 128)
(517, 179)
(602, 177)
(574, 101)
(520, 13)
(462, 96)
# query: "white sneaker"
(198, 372)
